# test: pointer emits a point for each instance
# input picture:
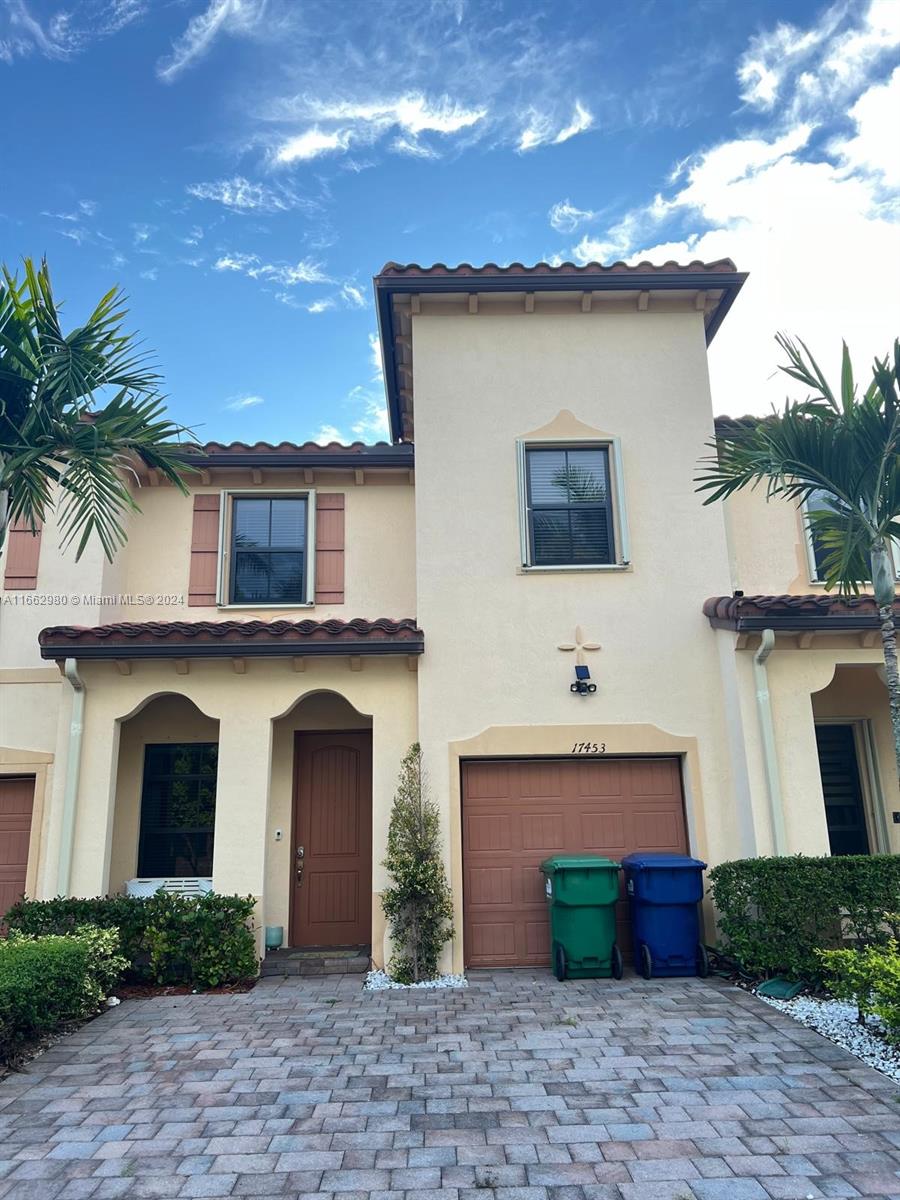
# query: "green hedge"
(166, 939)
(776, 913)
(46, 982)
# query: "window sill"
(272, 607)
(562, 569)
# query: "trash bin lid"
(577, 862)
(669, 862)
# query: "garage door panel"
(543, 831)
(609, 807)
(602, 831)
(598, 778)
(16, 804)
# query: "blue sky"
(243, 168)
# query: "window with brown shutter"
(23, 551)
(330, 548)
(204, 575)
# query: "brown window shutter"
(23, 550)
(204, 552)
(330, 548)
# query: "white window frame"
(812, 566)
(226, 497)
(613, 446)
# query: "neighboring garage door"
(16, 802)
(517, 813)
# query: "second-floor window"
(820, 502)
(269, 547)
(569, 506)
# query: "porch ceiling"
(232, 639)
(837, 614)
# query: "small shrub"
(775, 914)
(48, 981)
(418, 904)
(868, 978)
(203, 941)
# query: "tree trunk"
(889, 642)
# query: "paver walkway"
(518, 1088)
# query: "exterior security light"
(582, 686)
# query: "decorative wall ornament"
(582, 685)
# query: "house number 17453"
(589, 748)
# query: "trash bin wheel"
(646, 961)
(618, 967)
(702, 961)
(559, 962)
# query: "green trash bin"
(581, 894)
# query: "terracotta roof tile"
(188, 639)
(395, 270)
(747, 613)
(360, 448)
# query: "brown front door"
(332, 877)
(517, 813)
(16, 803)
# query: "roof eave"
(275, 649)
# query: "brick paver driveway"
(537, 1090)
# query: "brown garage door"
(517, 813)
(16, 801)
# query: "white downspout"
(767, 733)
(73, 770)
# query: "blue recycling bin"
(664, 891)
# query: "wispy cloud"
(353, 296)
(564, 217)
(66, 33)
(543, 130)
(338, 125)
(242, 196)
(152, 274)
(320, 306)
(242, 402)
(285, 274)
(326, 434)
(219, 17)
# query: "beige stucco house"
(243, 680)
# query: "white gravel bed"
(837, 1021)
(380, 981)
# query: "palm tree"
(842, 451)
(57, 446)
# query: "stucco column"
(242, 806)
(95, 803)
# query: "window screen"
(569, 504)
(178, 810)
(268, 550)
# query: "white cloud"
(320, 306)
(326, 434)
(152, 273)
(220, 16)
(873, 147)
(375, 356)
(820, 243)
(564, 217)
(285, 274)
(240, 195)
(239, 403)
(349, 122)
(66, 33)
(353, 296)
(142, 232)
(371, 425)
(194, 236)
(312, 144)
(542, 129)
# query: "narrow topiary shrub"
(775, 914)
(203, 941)
(48, 981)
(418, 903)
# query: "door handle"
(300, 853)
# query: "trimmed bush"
(870, 979)
(46, 982)
(202, 941)
(775, 914)
(417, 904)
